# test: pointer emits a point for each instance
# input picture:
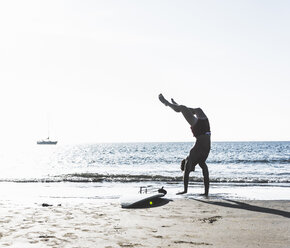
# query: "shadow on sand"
(246, 206)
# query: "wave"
(176, 160)
(249, 161)
(126, 178)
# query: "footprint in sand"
(158, 236)
(5, 221)
(128, 245)
(6, 244)
(34, 242)
(70, 235)
(191, 243)
(210, 219)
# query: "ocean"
(240, 170)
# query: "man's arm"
(185, 182)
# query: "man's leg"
(186, 112)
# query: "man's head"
(183, 162)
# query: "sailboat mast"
(47, 126)
(47, 141)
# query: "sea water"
(246, 170)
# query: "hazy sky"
(96, 69)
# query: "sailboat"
(47, 141)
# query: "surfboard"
(141, 200)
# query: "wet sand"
(178, 223)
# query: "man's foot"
(163, 100)
(175, 107)
(181, 193)
(205, 195)
(174, 102)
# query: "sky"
(94, 69)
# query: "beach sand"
(179, 223)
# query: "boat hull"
(46, 142)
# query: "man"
(199, 124)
